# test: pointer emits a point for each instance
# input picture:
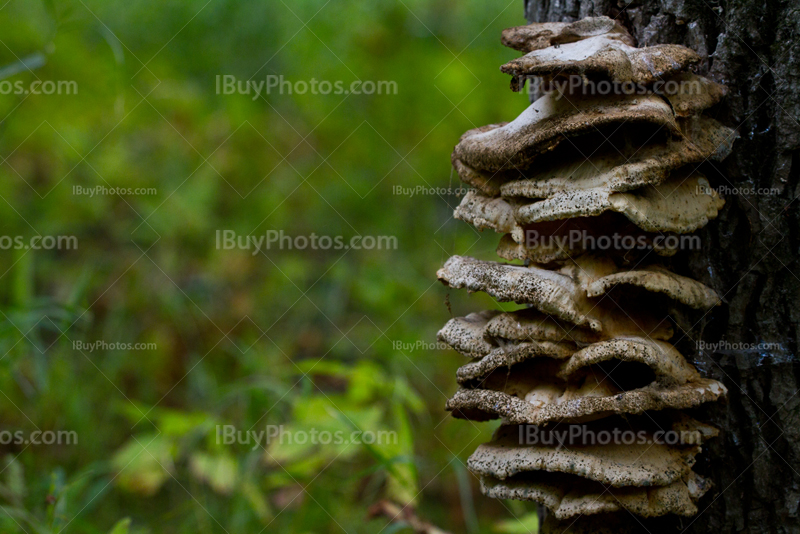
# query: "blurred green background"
(325, 340)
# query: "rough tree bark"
(750, 253)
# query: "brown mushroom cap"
(668, 365)
(619, 161)
(604, 57)
(544, 34)
(695, 94)
(682, 204)
(553, 118)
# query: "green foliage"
(278, 342)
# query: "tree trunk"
(750, 252)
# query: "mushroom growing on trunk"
(585, 184)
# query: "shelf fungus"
(554, 118)
(591, 190)
(598, 53)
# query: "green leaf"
(218, 471)
(15, 480)
(144, 464)
(257, 501)
(121, 527)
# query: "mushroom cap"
(695, 94)
(466, 334)
(487, 183)
(544, 34)
(551, 242)
(667, 367)
(486, 404)
(605, 57)
(511, 354)
(615, 168)
(659, 280)
(567, 293)
(682, 204)
(568, 496)
(645, 461)
(551, 292)
(482, 211)
(525, 388)
(621, 164)
(550, 120)
(530, 324)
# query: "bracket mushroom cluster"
(586, 186)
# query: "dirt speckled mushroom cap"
(621, 166)
(488, 212)
(511, 354)
(568, 496)
(668, 365)
(551, 242)
(659, 280)
(466, 334)
(615, 170)
(597, 399)
(682, 204)
(604, 57)
(646, 461)
(553, 118)
(524, 388)
(566, 294)
(544, 34)
(550, 292)
(667, 368)
(479, 333)
(543, 253)
(530, 324)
